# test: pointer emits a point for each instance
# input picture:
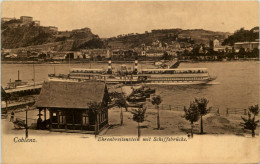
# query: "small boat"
(135, 105)
(55, 62)
(136, 99)
(17, 83)
(149, 91)
(158, 63)
(141, 94)
(19, 123)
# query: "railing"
(216, 110)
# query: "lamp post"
(26, 124)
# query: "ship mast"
(18, 76)
(54, 71)
(69, 62)
(33, 75)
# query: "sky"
(111, 18)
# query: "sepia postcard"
(130, 82)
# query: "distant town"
(43, 44)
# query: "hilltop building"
(85, 30)
(26, 19)
(36, 23)
(53, 28)
(64, 34)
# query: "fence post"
(227, 111)
(170, 108)
(218, 111)
(244, 111)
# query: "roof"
(70, 94)
(85, 69)
(3, 93)
(246, 42)
(26, 17)
(178, 69)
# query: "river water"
(236, 86)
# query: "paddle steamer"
(170, 76)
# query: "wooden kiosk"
(68, 105)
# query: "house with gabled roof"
(68, 105)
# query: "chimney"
(109, 71)
(136, 66)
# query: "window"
(54, 117)
(62, 119)
(85, 118)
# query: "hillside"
(242, 35)
(197, 36)
(16, 35)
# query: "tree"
(121, 102)
(138, 116)
(119, 99)
(201, 105)
(166, 56)
(157, 101)
(242, 35)
(195, 50)
(255, 52)
(251, 123)
(114, 95)
(95, 108)
(211, 45)
(59, 39)
(92, 44)
(186, 52)
(242, 51)
(192, 114)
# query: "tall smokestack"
(109, 70)
(136, 66)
